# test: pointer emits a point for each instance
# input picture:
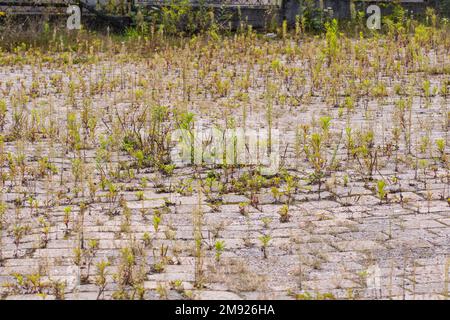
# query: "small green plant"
(243, 208)
(125, 226)
(77, 256)
(325, 123)
(426, 87)
(29, 284)
(276, 193)
(144, 182)
(266, 222)
(284, 213)
(440, 144)
(265, 239)
(345, 180)
(100, 279)
(130, 274)
(2, 114)
(168, 202)
(161, 290)
(349, 104)
(161, 260)
(423, 164)
(332, 39)
(112, 196)
(219, 247)
(381, 190)
(45, 230)
(58, 289)
(140, 195)
(156, 221)
(362, 277)
(317, 159)
(3, 208)
(89, 255)
(19, 231)
(147, 239)
(168, 169)
(177, 285)
(67, 212)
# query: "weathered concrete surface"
(346, 241)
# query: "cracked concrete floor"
(344, 243)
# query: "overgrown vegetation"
(86, 156)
